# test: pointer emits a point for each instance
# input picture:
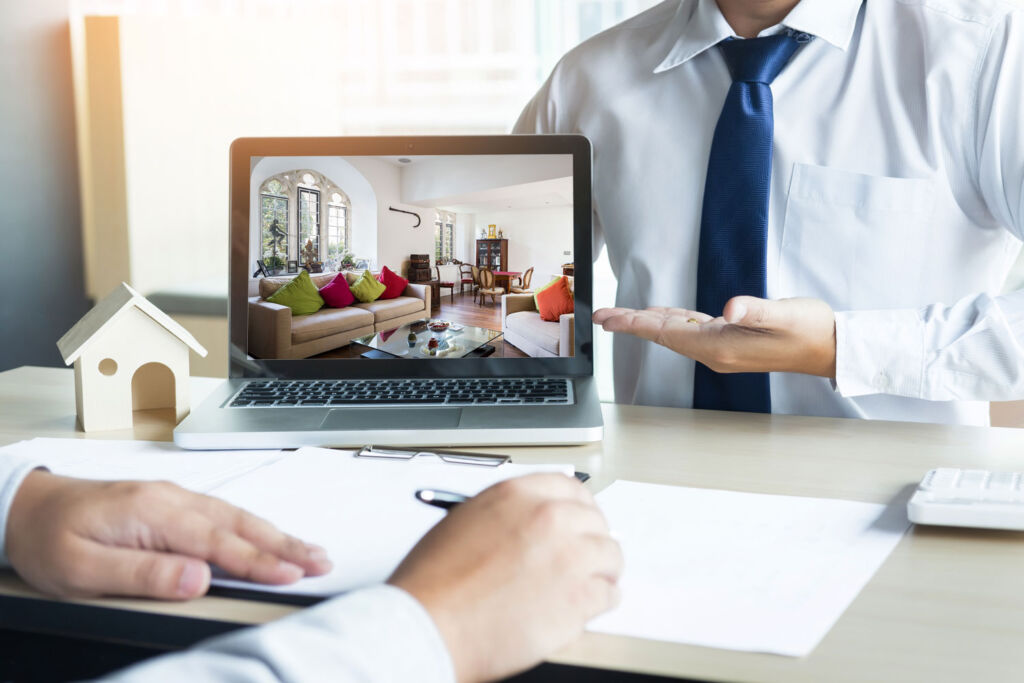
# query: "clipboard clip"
(451, 457)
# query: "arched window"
(444, 237)
(338, 227)
(274, 225)
(317, 231)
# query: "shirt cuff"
(879, 352)
(13, 470)
(379, 633)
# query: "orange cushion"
(555, 300)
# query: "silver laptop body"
(369, 373)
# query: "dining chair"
(465, 277)
(442, 284)
(476, 281)
(524, 283)
(487, 286)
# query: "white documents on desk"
(141, 460)
(741, 571)
(722, 569)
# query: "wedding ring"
(692, 320)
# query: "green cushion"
(300, 295)
(536, 292)
(367, 288)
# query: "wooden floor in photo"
(458, 308)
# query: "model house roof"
(109, 309)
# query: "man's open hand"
(752, 335)
(73, 537)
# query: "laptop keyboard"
(419, 392)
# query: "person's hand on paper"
(514, 574)
(751, 335)
(73, 537)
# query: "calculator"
(969, 498)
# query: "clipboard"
(300, 494)
(450, 457)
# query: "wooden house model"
(128, 355)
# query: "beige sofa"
(522, 327)
(275, 333)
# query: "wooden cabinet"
(492, 254)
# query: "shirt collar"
(700, 25)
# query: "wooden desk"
(948, 605)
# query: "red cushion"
(467, 279)
(447, 284)
(336, 293)
(555, 300)
(394, 284)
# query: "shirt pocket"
(855, 240)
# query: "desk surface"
(948, 605)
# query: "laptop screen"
(444, 260)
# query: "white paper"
(741, 571)
(361, 510)
(141, 460)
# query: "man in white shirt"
(505, 579)
(895, 197)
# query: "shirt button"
(882, 381)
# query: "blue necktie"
(734, 222)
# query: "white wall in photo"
(536, 237)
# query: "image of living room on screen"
(418, 257)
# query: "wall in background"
(40, 236)
(536, 237)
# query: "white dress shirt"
(380, 633)
(897, 192)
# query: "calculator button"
(973, 479)
(942, 478)
(1002, 481)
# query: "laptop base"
(215, 427)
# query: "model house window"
(444, 237)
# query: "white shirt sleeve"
(974, 348)
(375, 634)
(13, 470)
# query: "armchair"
(522, 327)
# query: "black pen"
(445, 500)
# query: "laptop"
(330, 346)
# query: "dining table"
(504, 278)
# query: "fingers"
(205, 538)
(751, 311)
(569, 518)
(683, 313)
(604, 556)
(107, 570)
(644, 324)
(247, 543)
(602, 314)
(546, 485)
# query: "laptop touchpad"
(362, 419)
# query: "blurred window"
(444, 237)
(193, 75)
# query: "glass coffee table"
(412, 341)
